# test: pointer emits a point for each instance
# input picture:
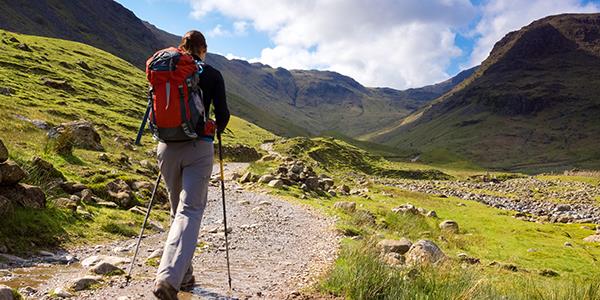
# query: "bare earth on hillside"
(276, 248)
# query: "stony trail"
(276, 248)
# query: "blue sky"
(395, 43)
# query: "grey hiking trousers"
(186, 168)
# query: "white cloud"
(393, 43)
(500, 17)
(218, 31)
(240, 27)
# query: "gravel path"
(276, 248)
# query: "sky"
(380, 43)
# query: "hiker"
(186, 167)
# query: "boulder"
(65, 203)
(592, 238)
(449, 226)
(312, 183)
(106, 268)
(60, 293)
(406, 209)
(72, 187)
(85, 282)
(424, 252)
(11, 173)
(6, 206)
(247, 177)
(44, 169)
(393, 259)
(3, 152)
(120, 193)
(25, 195)
(277, 183)
(81, 133)
(346, 206)
(266, 178)
(395, 246)
(6, 293)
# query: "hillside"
(532, 104)
(286, 102)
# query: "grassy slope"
(111, 95)
(487, 233)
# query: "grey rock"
(85, 282)
(24, 195)
(396, 246)
(449, 226)
(6, 293)
(87, 196)
(82, 134)
(61, 293)
(11, 173)
(424, 252)
(247, 177)
(266, 178)
(97, 259)
(406, 209)
(431, 214)
(277, 183)
(106, 268)
(393, 259)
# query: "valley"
(479, 187)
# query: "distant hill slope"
(533, 103)
(285, 102)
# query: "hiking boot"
(164, 291)
(188, 283)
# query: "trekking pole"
(137, 246)
(224, 210)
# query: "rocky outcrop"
(81, 134)
(297, 173)
(12, 192)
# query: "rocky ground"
(276, 248)
(536, 200)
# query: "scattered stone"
(531, 250)
(247, 177)
(87, 196)
(27, 291)
(58, 84)
(592, 238)
(243, 202)
(396, 246)
(83, 213)
(3, 152)
(104, 157)
(568, 244)
(424, 252)
(449, 226)
(85, 283)
(266, 178)
(107, 204)
(393, 259)
(563, 207)
(345, 189)
(463, 257)
(265, 203)
(61, 293)
(151, 166)
(155, 254)
(11, 173)
(549, 273)
(105, 268)
(6, 91)
(406, 209)
(6, 293)
(25, 195)
(94, 260)
(431, 214)
(332, 193)
(138, 210)
(156, 226)
(346, 206)
(65, 203)
(83, 65)
(277, 183)
(120, 193)
(24, 47)
(82, 134)
(461, 204)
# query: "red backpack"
(177, 111)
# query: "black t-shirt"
(213, 90)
